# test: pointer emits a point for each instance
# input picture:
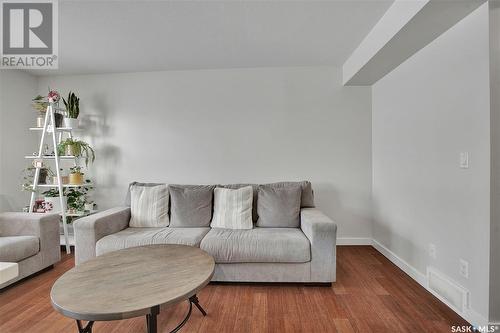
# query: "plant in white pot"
(72, 105)
(52, 202)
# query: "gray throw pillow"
(307, 200)
(279, 207)
(190, 205)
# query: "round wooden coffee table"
(131, 283)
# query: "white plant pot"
(53, 204)
(71, 122)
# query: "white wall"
(17, 88)
(425, 112)
(495, 161)
(227, 126)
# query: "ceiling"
(131, 36)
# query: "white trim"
(354, 241)
(405, 267)
(469, 314)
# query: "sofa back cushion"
(255, 192)
(307, 195)
(128, 199)
(279, 206)
(233, 208)
(149, 206)
(191, 205)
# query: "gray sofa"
(30, 240)
(306, 254)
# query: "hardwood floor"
(370, 295)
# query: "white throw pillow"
(233, 208)
(149, 206)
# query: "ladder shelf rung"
(50, 157)
(58, 129)
(64, 185)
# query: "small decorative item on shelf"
(52, 202)
(77, 148)
(72, 110)
(40, 120)
(42, 178)
(58, 118)
(39, 206)
(89, 206)
(64, 178)
(75, 175)
(53, 96)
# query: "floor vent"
(448, 291)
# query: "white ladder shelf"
(49, 128)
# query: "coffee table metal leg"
(86, 329)
(151, 319)
(194, 299)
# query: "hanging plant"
(77, 148)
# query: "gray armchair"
(30, 240)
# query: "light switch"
(464, 160)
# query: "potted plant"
(77, 198)
(64, 179)
(77, 148)
(54, 97)
(40, 105)
(52, 201)
(44, 173)
(72, 110)
(75, 175)
(28, 176)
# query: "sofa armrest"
(90, 229)
(43, 226)
(322, 233)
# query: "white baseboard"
(405, 267)
(354, 241)
(470, 315)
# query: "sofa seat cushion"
(17, 248)
(132, 237)
(283, 245)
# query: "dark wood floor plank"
(371, 295)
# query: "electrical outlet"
(464, 268)
(464, 160)
(432, 251)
